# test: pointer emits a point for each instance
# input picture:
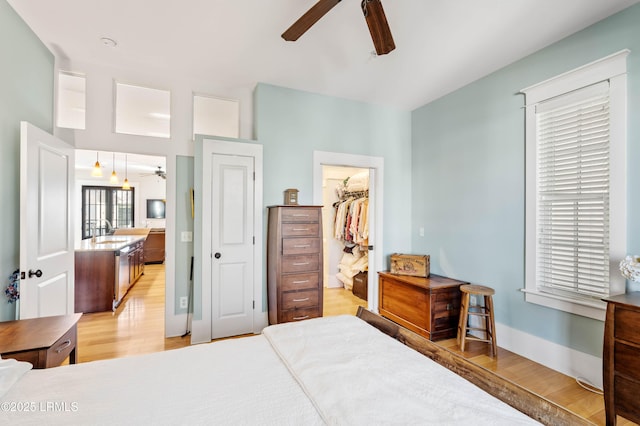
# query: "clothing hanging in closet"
(351, 226)
(352, 220)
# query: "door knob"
(37, 273)
(217, 255)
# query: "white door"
(46, 237)
(232, 245)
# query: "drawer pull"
(301, 318)
(64, 346)
(300, 264)
(301, 300)
(300, 215)
(300, 229)
(300, 282)
(302, 245)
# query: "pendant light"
(114, 177)
(97, 169)
(125, 184)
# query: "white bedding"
(356, 375)
(335, 370)
(234, 382)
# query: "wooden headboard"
(531, 404)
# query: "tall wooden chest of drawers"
(429, 306)
(294, 263)
(621, 357)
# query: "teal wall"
(26, 93)
(291, 124)
(468, 175)
(184, 222)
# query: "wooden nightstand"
(44, 342)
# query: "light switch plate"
(186, 236)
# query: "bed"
(347, 370)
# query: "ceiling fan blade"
(307, 20)
(378, 26)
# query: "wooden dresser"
(621, 357)
(294, 263)
(429, 306)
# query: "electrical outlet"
(186, 236)
(421, 231)
(184, 302)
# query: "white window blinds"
(573, 165)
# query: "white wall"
(149, 187)
(99, 135)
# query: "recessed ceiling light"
(109, 42)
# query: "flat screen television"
(155, 209)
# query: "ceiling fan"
(373, 13)
(158, 172)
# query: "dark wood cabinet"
(154, 246)
(103, 276)
(96, 277)
(621, 357)
(294, 263)
(429, 306)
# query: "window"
(142, 111)
(576, 187)
(71, 103)
(216, 116)
(105, 208)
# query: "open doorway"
(119, 194)
(345, 238)
(338, 196)
(324, 161)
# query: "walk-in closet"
(346, 230)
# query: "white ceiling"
(441, 44)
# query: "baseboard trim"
(260, 321)
(176, 325)
(565, 360)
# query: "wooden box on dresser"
(429, 306)
(294, 263)
(621, 357)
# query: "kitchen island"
(105, 269)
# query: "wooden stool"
(485, 311)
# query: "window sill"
(591, 309)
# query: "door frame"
(376, 199)
(205, 147)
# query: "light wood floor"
(138, 327)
